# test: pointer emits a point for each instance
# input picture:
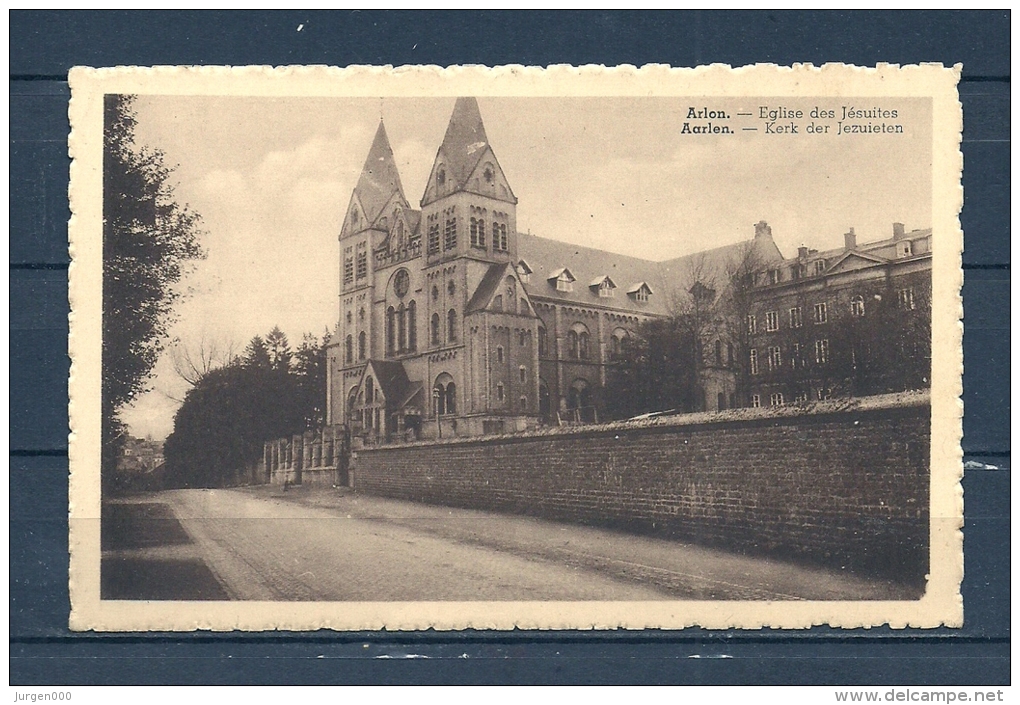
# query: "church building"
(452, 323)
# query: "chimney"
(850, 240)
(762, 229)
(802, 252)
(898, 231)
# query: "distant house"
(139, 456)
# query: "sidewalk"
(687, 571)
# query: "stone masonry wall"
(844, 483)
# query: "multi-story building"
(454, 323)
(844, 322)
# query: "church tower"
(468, 208)
(378, 196)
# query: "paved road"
(317, 544)
(270, 549)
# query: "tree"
(228, 415)
(278, 348)
(149, 243)
(655, 370)
(220, 428)
(737, 306)
(310, 367)
(257, 354)
(192, 362)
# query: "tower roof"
(465, 140)
(379, 177)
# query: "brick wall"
(844, 483)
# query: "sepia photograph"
(408, 348)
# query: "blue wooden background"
(44, 44)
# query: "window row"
(905, 300)
(774, 356)
(349, 348)
(796, 316)
(778, 399)
(401, 329)
(355, 266)
(451, 328)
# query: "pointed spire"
(465, 140)
(379, 177)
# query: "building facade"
(453, 323)
(851, 321)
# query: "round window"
(401, 283)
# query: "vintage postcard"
(546, 348)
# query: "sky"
(272, 178)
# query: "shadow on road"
(131, 534)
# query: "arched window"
(389, 331)
(352, 401)
(451, 325)
(543, 341)
(362, 344)
(435, 329)
(401, 329)
(435, 293)
(718, 353)
(729, 355)
(522, 372)
(369, 390)
(444, 395)
(478, 232)
(578, 341)
(349, 350)
(619, 335)
(499, 354)
(412, 326)
(857, 306)
(579, 395)
(500, 394)
(451, 398)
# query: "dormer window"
(524, 272)
(562, 279)
(604, 287)
(640, 292)
(905, 249)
